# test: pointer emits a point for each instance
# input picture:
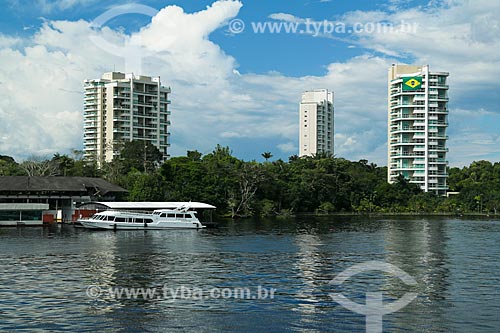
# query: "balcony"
(409, 167)
(404, 142)
(438, 137)
(121, 130)
(399, 116)
(407, 129)
(438, 148)
(407, 154)
(439, 188)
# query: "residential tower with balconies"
(418, 121)
(316, 123)
(122, 107)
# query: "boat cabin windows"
(100, 217)
(183, 216)
(133, 220)
(179, 216)
(141, 220)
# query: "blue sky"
(243, 89)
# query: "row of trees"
(322, 184)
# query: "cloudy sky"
(237, 83)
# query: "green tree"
(64, 164)
(146, 186)
(9, 167)
(267, 155)
(140, 155)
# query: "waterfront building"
(316, 123)
(122, 107)
(28, 200)
(418, 120)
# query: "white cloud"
(286, 17)
(7, 41)
(212, 102)
(461, 37)
(288, 147)
(41, 100)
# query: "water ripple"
(45, 274)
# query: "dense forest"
(319, 184)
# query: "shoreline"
(300, 215)
(409, 214)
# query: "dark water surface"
(45, 274)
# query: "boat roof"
(151, 205)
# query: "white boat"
(180, 218)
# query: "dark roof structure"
(25, 184)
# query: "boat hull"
(103, 225)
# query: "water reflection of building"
(312, 267)
(419, 248)
(142, 260)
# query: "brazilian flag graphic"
(412, 83)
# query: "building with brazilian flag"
(418, 121)
(412, 83)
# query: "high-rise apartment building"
(316, 123)
(122, 107)
(418, 119)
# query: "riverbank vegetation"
(319, 184)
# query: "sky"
(237, 69)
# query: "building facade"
(122, 107)
(316, 133)
(418, 120)
(28, 200)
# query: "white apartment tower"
(316, 123)
(122, 107)
(418, 119)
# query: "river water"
(251, 275)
